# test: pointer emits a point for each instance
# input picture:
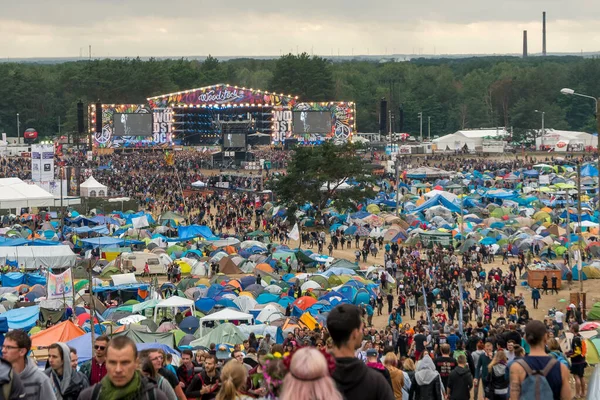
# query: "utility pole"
(397, 186)
(579, 259)
(429, 128)
(421, 127)
(18, 128)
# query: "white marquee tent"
(31, 257)
(16, 194)
(226, 314)
(175, 302)
(471, 138)
(92, 188)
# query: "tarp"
(83, 345)
(22, 318)
(13, 279)
(196, 230)
(32, 257)
(224, 333)
(62, 332)
(438, 200)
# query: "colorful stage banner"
(61, 285)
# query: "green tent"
(594, 313)
(167, 338)
(258, 234)
(225, 333)
(109, 271)
(80, 285)
(302, 256)
(344, 264)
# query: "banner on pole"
(60, 285)
(295, 233)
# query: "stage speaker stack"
(98, 117)
(383, 116)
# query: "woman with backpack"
(497, 381)
(538, 375)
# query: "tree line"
(455, 93)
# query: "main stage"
(221, 115)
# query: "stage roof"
(222, 94)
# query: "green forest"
(454, 93)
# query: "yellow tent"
(591, 272)
(185, 267)
(308, 320)
(592, 357)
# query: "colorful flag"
(169, 158)
(60, 285)
(295, 233)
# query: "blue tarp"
(589, 170)
(438, 200)
(22, 318)
(13, 279)
(83, 345)
(106, 241)
(196, 230)
(101, 229)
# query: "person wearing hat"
(373, 362)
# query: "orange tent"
(230, 249)
(264, 267)
(62, 332)
(305, 302)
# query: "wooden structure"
(536, 276)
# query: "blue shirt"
(452, 340)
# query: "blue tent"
(438, 200)
(189, 325)
(531, 173)
(22, 318)
(266, 297)
(196, 230)
(204, 305)
(575, 273)
(589, 170)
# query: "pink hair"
(308, 378)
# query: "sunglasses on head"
(100, 347)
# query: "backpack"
(7, 387)
(535, 386)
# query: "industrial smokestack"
(524, 44)
(544, 33)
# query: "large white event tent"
(31, 257)
(175, 302)
(16, 194)
(226, 314)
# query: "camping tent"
(226, 314)
(175, 302)
(92, 188)
(62, 332)
(224, 333)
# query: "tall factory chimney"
(524, 44)
(544, 33)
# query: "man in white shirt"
(558, 317)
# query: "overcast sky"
(118, 28)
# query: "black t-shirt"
(420, 340)
(169, 376)
(445, 365)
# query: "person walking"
(308, 377)
(460, 381)
(535, 296)
(66, 383)
(353, 378)
(36, 384)
(555, 374)
(497, 388)
(427, 383)
(122, 380)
